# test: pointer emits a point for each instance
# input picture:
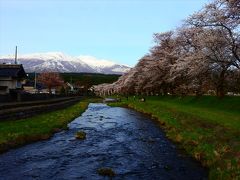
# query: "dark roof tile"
(12, 70)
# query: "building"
(12, 77)
(33, 87)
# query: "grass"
(20, 132)
(208, 128)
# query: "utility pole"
(35, 81)
(16, 55)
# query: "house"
(12, 77)
(32, 87)
(75, 88)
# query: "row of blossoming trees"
(201, 56)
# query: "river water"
(119, 138)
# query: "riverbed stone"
(80, 135)
(106, 172)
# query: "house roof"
(12, 70)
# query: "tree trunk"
(220, 87)
(50, 90)
(220, 91)
(199, 91)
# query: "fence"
(22, 97)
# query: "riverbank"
(21, 110)
(19, 132)
(119, 141)
(207, 128)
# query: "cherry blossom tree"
(51, 80)
(203, 54)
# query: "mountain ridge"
(60, 62)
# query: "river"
(119, 138)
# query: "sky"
(117, 30)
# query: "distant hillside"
(91, 78)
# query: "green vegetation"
(80, 135)
(90, 78)
(208, 128)
(106, 172)
(19, 132)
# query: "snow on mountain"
(104, 66)
(59, 62)
(94, 62)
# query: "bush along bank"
(207, 128)
(19, 132)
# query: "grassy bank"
(207, 128)
(19, 132)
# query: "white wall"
(10, 83)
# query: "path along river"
(119, 138)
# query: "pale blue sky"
(119, 30)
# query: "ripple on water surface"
(118, 138)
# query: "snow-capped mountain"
(59, 62)
(104, 66)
